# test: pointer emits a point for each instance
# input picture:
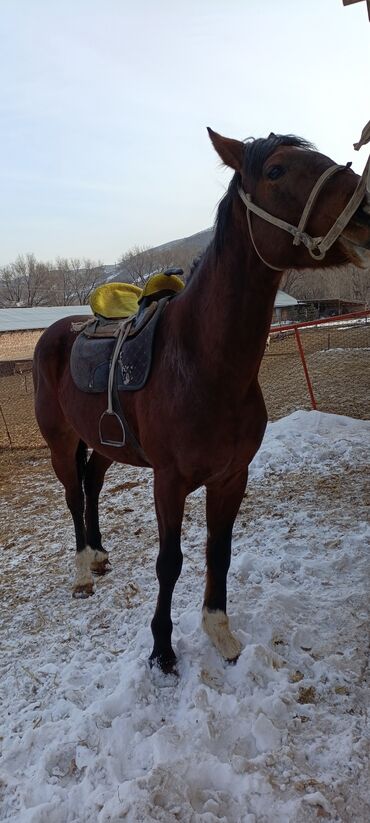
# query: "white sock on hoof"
(98, 557)
(99, 561)
(216, 625)
(83, 567)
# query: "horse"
(201, 417)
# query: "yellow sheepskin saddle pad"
(115, 300)
(164, 283)
(119, 300)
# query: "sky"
(104, 106)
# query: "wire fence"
(334, 352)
(323, 365)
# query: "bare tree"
(290, 281)
(140, 261)
(72, 280)
(61, 288)
(35, 276)
(29, 282)
(82, 279)
(10, 288)
(25, 282)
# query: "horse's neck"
(228, 306)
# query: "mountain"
(347, 284)
(199, 241)
(138, 263)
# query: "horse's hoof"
(232, 661)
(83, 590)
(101, 567)
(167, 665)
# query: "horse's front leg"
(169, 497)
(223, 502)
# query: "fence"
(320, 364)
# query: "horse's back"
(56, 341)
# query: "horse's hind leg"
(96, 468)
(68, 458)
(223, 503)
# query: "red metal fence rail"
(338, 323)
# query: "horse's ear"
(230, 151)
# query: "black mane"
(196, 262)
(255, 155)
(257, 151)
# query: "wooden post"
(305, 369)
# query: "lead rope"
(365, 137)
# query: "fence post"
(305, 369)
(6, 427)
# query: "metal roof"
(39, 317)
(283, 299)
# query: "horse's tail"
(81, 460)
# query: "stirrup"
(117, 443)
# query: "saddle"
(114, 349)
(131, 339)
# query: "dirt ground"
(337, 360)
(297, 596)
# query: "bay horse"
(201, 417)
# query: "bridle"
(317, 246)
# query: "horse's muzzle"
(362, 215)
(355, 239)
(357, 232)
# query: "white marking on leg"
(98, 556)
(99, 562)
(216, 625)
(83, 567)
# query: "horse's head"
(301, 209)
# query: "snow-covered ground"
(89, 733)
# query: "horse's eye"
(275, 172)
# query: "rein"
(317, 246)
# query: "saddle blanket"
(91, 357)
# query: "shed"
(39, 317)
(20, 329)
(283, 307)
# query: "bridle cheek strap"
(362, 190)
(317, 246)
